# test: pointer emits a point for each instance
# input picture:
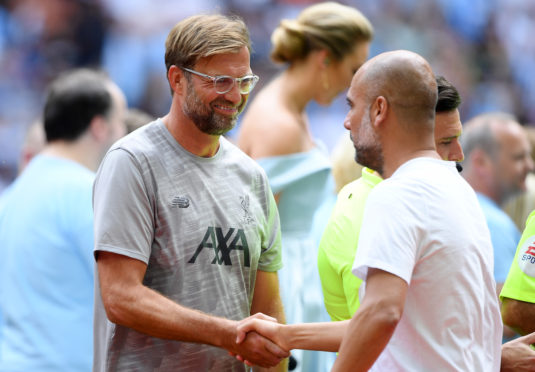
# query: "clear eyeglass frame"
(223, 83)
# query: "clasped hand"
(259, 341)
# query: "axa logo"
(222, 245)
(526, 257)
(180, 202)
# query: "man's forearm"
(151, 313)
(157, 316)
(366, 336)
(373, 324)
(267, 300)
(518, 315)
(326, 336)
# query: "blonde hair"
(325, 26)
(202, 36)
(345, 168)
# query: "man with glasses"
(187, 238)
(223, 83)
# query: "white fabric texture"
(424, 224)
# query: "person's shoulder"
(237, 160)
(497, 219)
(5, 196)
(491, 210)
(404, 188)
(236, 155)
(270, 131)
(351, 188)
(140, 140)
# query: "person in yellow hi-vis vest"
(518, 293)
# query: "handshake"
(260, 341)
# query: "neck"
(79, 152)
(480, 184)
(297, 88)
(186, 133)
(392, 163)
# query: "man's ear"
(99, 128)
(480, 160)
(176, 79)
(379, 111)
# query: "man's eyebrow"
(451, 137)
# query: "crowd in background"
(484, 47)
(481, 47)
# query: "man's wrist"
(286, 339)
(225, 336)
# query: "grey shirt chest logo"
(180, 202)
(247, 217)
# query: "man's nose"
(457, 153)
(234, 95)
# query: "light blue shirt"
(46, 268)
(504, 235)
(305, 185)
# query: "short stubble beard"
(205, 118)
(368, 149)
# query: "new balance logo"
(223, 244)
(180, 202)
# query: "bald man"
(429, 300)
(339, 242)
(416, 250)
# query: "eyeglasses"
(223, 83)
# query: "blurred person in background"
(34, 142)
(39, 40)
(497, 162)
(344, 167)
(487, 50)
(322, 47)
(520, 206)
(136, 118)
(46, 230)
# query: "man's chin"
(219, 131)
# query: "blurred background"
(484, 47)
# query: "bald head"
(407, 82)
(391, 115)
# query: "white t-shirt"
(424, 224)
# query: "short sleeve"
(389, 233)
(124, 215)
(271, 254)
(520, 282)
